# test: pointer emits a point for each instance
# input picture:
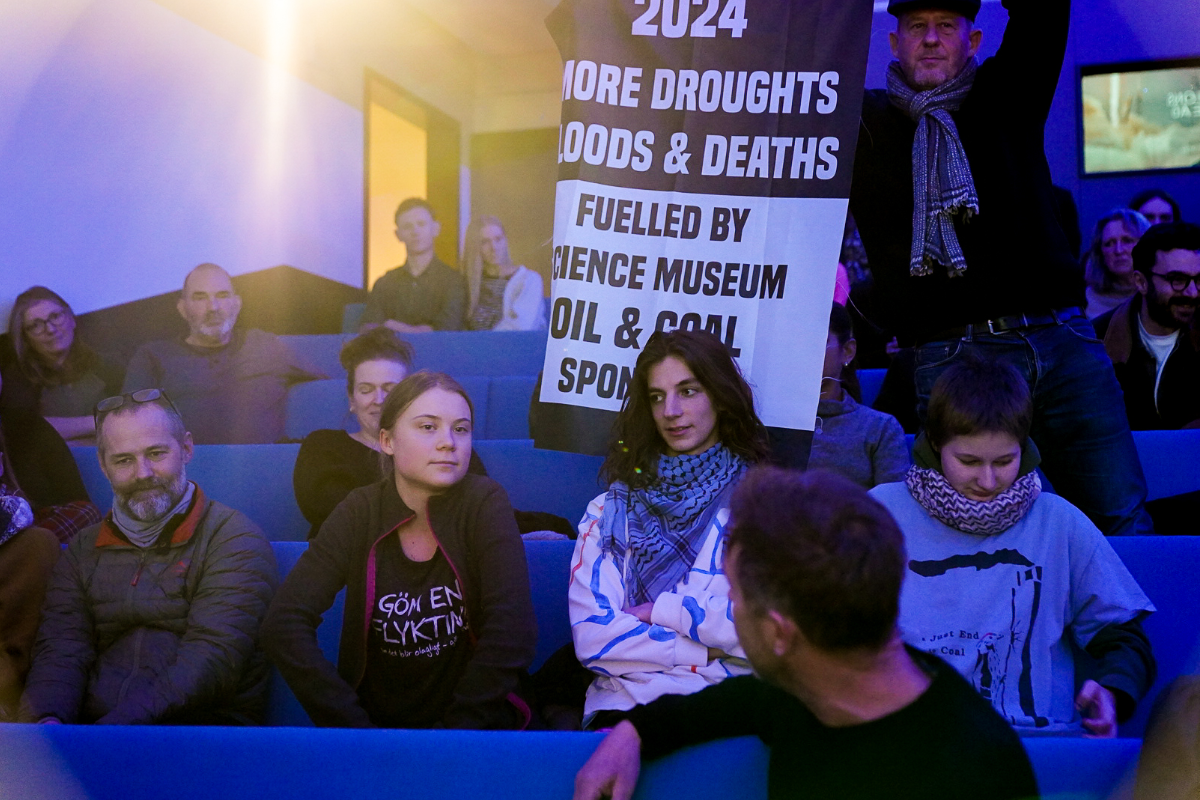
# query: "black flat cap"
(968, 8)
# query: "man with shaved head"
(231, 384)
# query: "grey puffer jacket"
(165, 634)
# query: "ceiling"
(493, 27)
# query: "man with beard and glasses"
(1152, 337)
(848, 710)
(152, 615)
(954, 202)
(230, 383)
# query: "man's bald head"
(209, 305)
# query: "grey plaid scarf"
(658, 531)
(942, 182)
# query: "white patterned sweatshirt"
(635, 662)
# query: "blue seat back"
(72, 762)
(283, 709)
(508, 406)
(549, 573)
(870, 381)
(352, 314)
(255, 479)
(1170, 460)
(1166, 567)
(455, 352)
(542, 480)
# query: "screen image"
(1140, 117)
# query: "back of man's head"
(816, 548)
(1163, 239)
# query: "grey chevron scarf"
(943, 187)
(659, 530)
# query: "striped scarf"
(943, 187)
(658, 531)
(943, 502)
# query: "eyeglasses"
(1178, 280)
(111, 404)
(39, 326)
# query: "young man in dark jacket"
(152, 615)
(1151, 338)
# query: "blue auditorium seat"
(352, 316)
(456, 352)
(73, 762)
(323, 404)
(283, 709)
(255, 479)
(542, 480)
(870, 381)
(1170, 460)
(1167, 569)
(508, 406)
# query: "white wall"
(135, 144)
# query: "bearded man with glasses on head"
(152, 615)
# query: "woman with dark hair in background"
(1108, 264)
(438, 628)
(861, 443)
(649, 600)
(1156, 206)
(50, 371)
(331, 461)
(502, 296)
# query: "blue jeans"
(1079, 422)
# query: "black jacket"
(1178, 401)
(1018, 258)
(473, 523)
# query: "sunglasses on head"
(111, 404)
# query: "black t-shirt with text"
(418, 645)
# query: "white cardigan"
(635, 662)
(524, 307)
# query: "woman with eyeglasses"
(438, 627)
(48, 370)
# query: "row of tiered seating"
(257, 478)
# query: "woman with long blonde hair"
(503, 296)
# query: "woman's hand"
(642, 612)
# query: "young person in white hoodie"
(649, 600)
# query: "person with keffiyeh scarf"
(957, 210)
(649, 600)
(1003, 578)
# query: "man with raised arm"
(152, 615)
(847, 710)
(954, 201)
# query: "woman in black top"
(332, 462)
(438, 627)
(49, 371)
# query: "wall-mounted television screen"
(1139, 117)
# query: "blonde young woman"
(502, 296)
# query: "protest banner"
(705, 156)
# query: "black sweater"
(946, 744)
(474, 525)
(1018, 258)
